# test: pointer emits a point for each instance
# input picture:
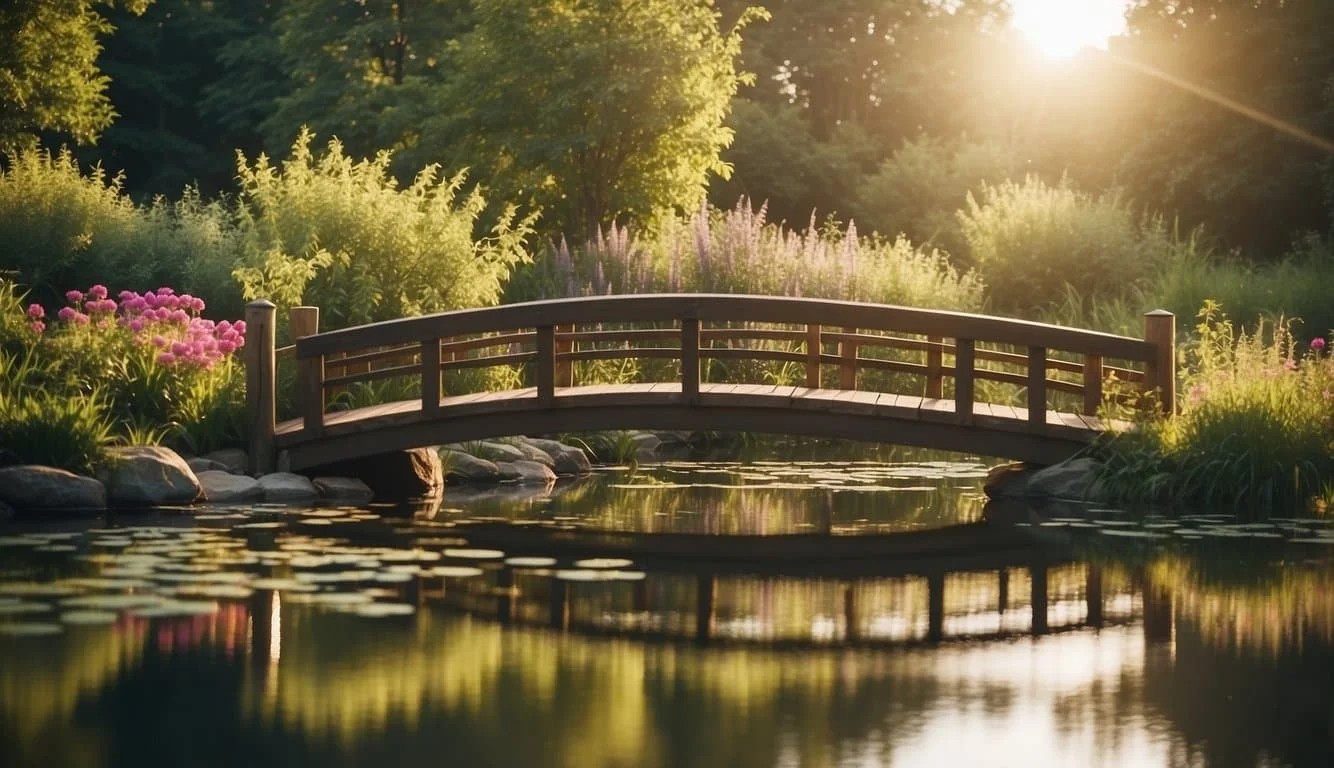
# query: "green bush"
(918, 189)
(61, 227)
(1030, 241)
(339, 233)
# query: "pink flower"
(180, 349)
(37, 326)
(1318, 345)
(166, 358)
(159, 341)
(136, 325)
(80, 318)
(36, 312)
(66, 314)
(97, 292)
(74, 297)
(226, 347)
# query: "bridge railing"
(825, 343)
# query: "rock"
(287, 487)
(508, 474)
(235, 460)
(465, 467)
(566, 459)
(199, 464)
(529, 472)
(533, 453)
(31, 486)
(395, 476)
(151, 475)
(345, 489)
(1074, 479)
(495, 451)
(219, 485)
(1007, 480)
(646, 445)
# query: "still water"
(273, 636)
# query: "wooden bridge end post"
(935, 361)
(261, 384)
(690, 360)
(813, 355)
(964, 357)
(1160, 374)
(1037, 388)
(546, 364)
(847, 369)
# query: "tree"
(596, 109)
(49, 80)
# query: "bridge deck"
(991, 430)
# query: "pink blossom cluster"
(169, 322)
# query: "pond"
(266, 636)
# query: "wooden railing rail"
(815, 336)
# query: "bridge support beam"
(1160, 373)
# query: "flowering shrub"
(150, 361)
(1255, 430)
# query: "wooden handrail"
(555, 334)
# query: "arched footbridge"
(954, 381)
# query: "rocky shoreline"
(156, 476)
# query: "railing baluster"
(564, 370)
(430, 354)
(963, 380)
(934, 363)
(546, 363)
(1037, 387)
(690, 360)
(1092, 384)
(847, 369)
(813, 356)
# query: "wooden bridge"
(837, 369)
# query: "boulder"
(646, 445)
(219, 485)
(552, 448)
(31, 486)
(286, 487)
(496, 451)
(533, 453)
(464, 467)
(1007, 480)
(394, 476)
(1074, 479)
(566, 459)
(529, 472)
(150, 475)
(348, 490)
(200, 464)
(235, 460)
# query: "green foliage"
(622, 104)
(340, 233)
(50, 82)
(917, 190)
(62, 227)
(1255, 433)
(1029, 241)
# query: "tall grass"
(739, 251)
(1255, 433)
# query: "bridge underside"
(864, 416)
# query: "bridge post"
(1037, 388)
(934, 362)
(964, 356)
(847, 369)
(1092, 384)
(260, 384)
(813, 355)
(1161, 371)
(690, 360)
(546, 364)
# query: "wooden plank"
(310, 390)
(1092, 383)
(546, 364)
(813, 355)
(1037, 387)
(430, 354)
(564, 373)
(847, 368)
(934, 361)
(963, 379)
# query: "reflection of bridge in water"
(908, 600)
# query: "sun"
(1062, 28)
